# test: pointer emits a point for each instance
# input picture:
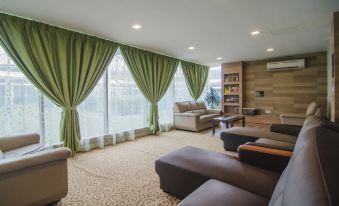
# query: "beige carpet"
(124, 174)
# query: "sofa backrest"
(312, 108)
(180, 107)
(310, 177)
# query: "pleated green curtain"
(64, 65)
(195, 77)
(153, 74)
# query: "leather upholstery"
(310, 178)
(183, 171)
(217, 193)
(303, 182)
(236, 136)
(193, 116)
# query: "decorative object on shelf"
(212, 98)
(250, 111)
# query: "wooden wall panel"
(286, 91)
(335, 78)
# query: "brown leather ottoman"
(217, 193)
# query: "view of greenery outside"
(23, 109)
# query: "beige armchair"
(313, 109)
(31, 173)
(193, 116)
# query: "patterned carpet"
(125, 175)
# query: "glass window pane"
(91, 112)
(181, 92)
(19, 111)
(165, 106)
(127, 107)
(52, 116)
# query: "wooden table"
(228, 120)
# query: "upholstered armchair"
(193, 116)
(313, 109)
(30, 172)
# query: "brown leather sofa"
(31, 173)
(193, 116)
(208, 178)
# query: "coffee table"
(228, 120)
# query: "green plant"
(212, 98)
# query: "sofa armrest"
(264, 157)
(35, 159)
(286, 129)
(213, 111)
(13, 142)
(271, 146)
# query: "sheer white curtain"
(115, 111)
(23, 109)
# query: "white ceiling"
(216, 28)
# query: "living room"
(169, 102)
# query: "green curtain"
(153, 74)
(195, 77)
(64, 65)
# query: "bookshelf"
(231, 81)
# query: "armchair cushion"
(24, 150)
(193, 105)
(13, 142)
(275, 143)
(30, 160)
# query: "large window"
(181, 92)
(127, 107)
(91, 112)
(23, 109)
(115, 104)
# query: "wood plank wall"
(286, 91)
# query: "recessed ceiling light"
(270, 49)
(191, 48)
(255, 32)
(219, 58)
(136, 26)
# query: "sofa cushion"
(260, 133)
(198, 111)
(311, 109)
(194, 105)
(275, 143)
(207, 118)
(201, 105)
(29, 149)
(216, 193)
(182, 107)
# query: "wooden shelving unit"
(232, 91)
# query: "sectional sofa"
(204, 177)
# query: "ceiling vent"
(286, 65)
